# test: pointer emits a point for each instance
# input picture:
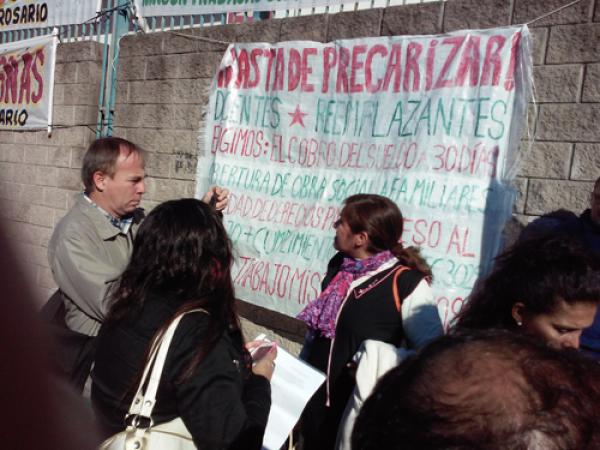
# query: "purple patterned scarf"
(321, 313)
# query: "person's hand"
(217, 196)
(253, 345)
(265, 361)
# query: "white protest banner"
(432, 122)
(27, 83)
(152, 8)
(20, 14)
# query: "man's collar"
(123, 224)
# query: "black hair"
(182, 253)
(538, 272)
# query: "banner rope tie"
(202, 38)
(553, 12)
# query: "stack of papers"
(292, 385)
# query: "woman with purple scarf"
(374, 289)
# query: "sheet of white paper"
(292, 385)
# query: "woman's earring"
(519, 323)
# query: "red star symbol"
(297, 116)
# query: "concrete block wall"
(559, 169)
(164, 81)
(39, 175)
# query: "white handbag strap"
(143, 403)
(136, 405)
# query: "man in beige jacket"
(91, 245)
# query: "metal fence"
(181, 22)
(101, 27)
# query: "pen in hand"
(263, 356)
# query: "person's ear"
(361, 239)
(518, 312)
(99, 179)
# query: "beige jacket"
(87, 254)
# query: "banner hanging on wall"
(27, 83)
(153, 8)
(21, 14)
(432, 122)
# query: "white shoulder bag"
(141, 434)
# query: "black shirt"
(222, 404)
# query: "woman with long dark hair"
(181, 261)
(546, 286)
(374, 290)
